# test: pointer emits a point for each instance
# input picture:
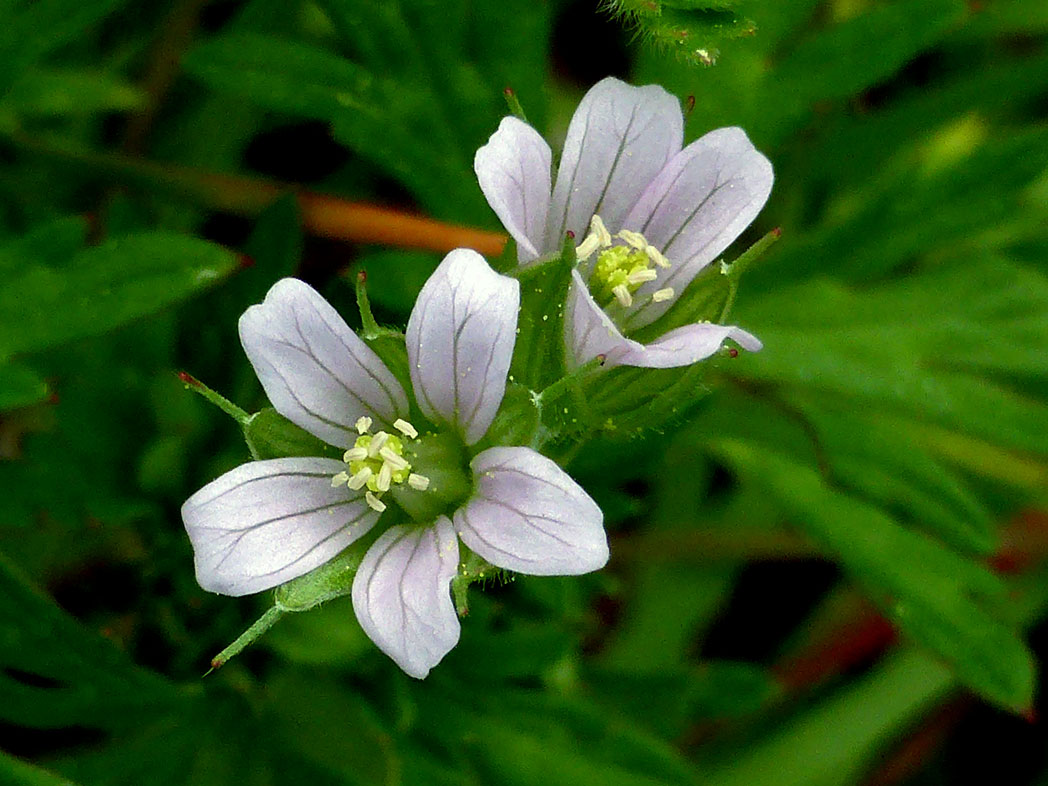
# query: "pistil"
(625, 262)
(376, 462)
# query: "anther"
(642, 276)
(363, 424)
(355, 454)
(418, 482)
(385, 475)
(657, 257)
(660, 295)
(377, 443)
(634, 239)
(586, 248)
(597, 228)
(358, 481)
(391, 458)
(340, 479)
(622, 294)
(374, 502)
(405, 428)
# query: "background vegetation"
(829, 571)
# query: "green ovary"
(614, 268)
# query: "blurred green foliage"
(894, 427)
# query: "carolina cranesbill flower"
(650, 215)
(267, 522)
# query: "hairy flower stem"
(261, 625)
(220, 401)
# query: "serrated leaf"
(105, 287)
(833, 742)
(54, 673)
(890, 467)
(916, 346)
(945, 602)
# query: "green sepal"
(516, 422)
(538, 356)
(507, 262)
(472, 568)
(628, 401)
(441, 458)
(331, 580)
(270, 435)
(389, 345)
(705, 299)
(710, 295)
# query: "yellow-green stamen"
(621, 268)
(376, 462)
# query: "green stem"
(261, 625)
(220, 401)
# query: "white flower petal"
(460, 341)
(619, 139)
(688, 344)
(513, 170)
(402, 595)
(528, 515)
(589, 332)
(267, 522)
(315, 370)
(695, 208)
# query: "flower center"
(376, 462)
(622, 267)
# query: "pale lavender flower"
(651, 216)
(267, 522)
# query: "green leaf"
(890, 467)
(20, 386)
(919, 346)
(18, 773)
(64, 92)
(832, 743)
(105, 287)
(947, 603)
(381, 119)
(54, 673)
(42, 26)
(897, 31)
(52, 243)
(322, 721)
(715, 690)
(506, 755)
